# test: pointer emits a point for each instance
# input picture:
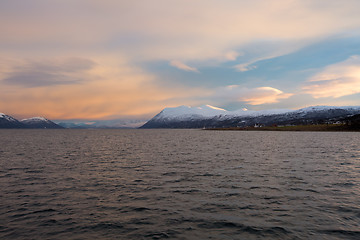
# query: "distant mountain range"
(201, 117)
(116, 123)
(7, 121)
(212, 117)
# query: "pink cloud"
(336, 80)
(183, 66)
(253, 96)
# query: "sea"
(179, 184)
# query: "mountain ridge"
(197, 117)
(40, 122)
(7, 121)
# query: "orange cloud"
(179, 29)
(183, 66)
(113, 89)
(141, 31)
(254, 96)
(336, 80)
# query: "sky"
(110, 59)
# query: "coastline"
(298, 128)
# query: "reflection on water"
(183, 184)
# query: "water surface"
(179, 184)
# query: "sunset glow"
(130, 59)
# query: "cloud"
(115, 89)
(112, 88)
(266, 50)
(39, 79)
(165, 30)
(244, 67)
(336, 80)
(253, 96)
(183, 66)
(47, 73)
(115, 37)
(232, 55)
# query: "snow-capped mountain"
(7, 117)
(209, 116)
(39, 122)
(7, 121)
(208, 111)
(115, 123)
(187, 112)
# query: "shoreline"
(297, 128)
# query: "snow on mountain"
(326, 108)
(39, 122)
(209, 116)
(190, 112)
(7, 121)
(115, 123)
(7, 117)
(252, 113)
(34, 119)
(208, 111)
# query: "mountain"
(115, 123)
(7, 121)
(39, 122)
(209, 117)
